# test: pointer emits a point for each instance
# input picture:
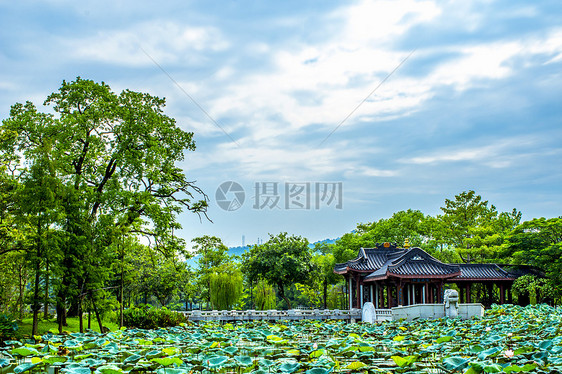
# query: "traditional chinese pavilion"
(389, 276)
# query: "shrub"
(148, 317)
(8, 327)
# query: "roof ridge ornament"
(407, 243)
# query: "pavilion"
(389, 276)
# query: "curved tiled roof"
(384, 261)
(482, 272)
(368, 259)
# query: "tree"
(282, 261)
(212, 255)
(264, 296)
(538, 243)
(466, 211)
(115, 157)
(226, 286)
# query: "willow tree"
(226, 287)
(115, 156)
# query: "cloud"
(167, 42)
(499, 153)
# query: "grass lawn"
(51, 324)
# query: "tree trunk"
(36, 306)
(282, 294)
(81, 313)
(46, 300)
(325, 293)
(97, 314)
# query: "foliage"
(8, 327)
(98, 166)
(264, 295)
(148, 317)
(538, 289)
(282, 261)
(212, 255)
(226, 285)
(507, 339)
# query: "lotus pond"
(508, 339)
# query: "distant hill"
(238, 251)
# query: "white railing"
(292, 314)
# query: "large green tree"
(538, 242)
(115, 156)
(282, 261)
(212, 255)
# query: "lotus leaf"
(167, 361)
(109, 369)
(218, 361)
(455, 363)
(317, 371)
(24, 367)
(244, 360)
(289, 366)
(356, 365)
(404, 361)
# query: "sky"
(312, 116)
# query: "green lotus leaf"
(244, 360)
(170, 351)
(266, 363)
(519, 369)
(493, 368)
(289, 367)
(404, 361)
(25, 351)
(317, 353)
(317, 370)
(109, 369)
(133, 358)
(455, 363)
(230, 350)
(24, 367)
(545, 344)
(167, 361)
(4, 362)
(53, 359)
(444, 339)
(77, 370)
(356, 365)
(217, 361)
(489, 352)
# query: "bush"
(8, 327)
(148, 317)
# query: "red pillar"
(502, 294)
(467, 287)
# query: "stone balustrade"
(274, 315)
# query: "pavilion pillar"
(461, 294)
(490, 290)
(389, 296)
(377, 295)
(430, 290)
(350, 293)
(371, 299)
(502, 294)
(509, 295)
(467, 288)
(358, 292)
(424, 293)
(361, 297)
(439, 292)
